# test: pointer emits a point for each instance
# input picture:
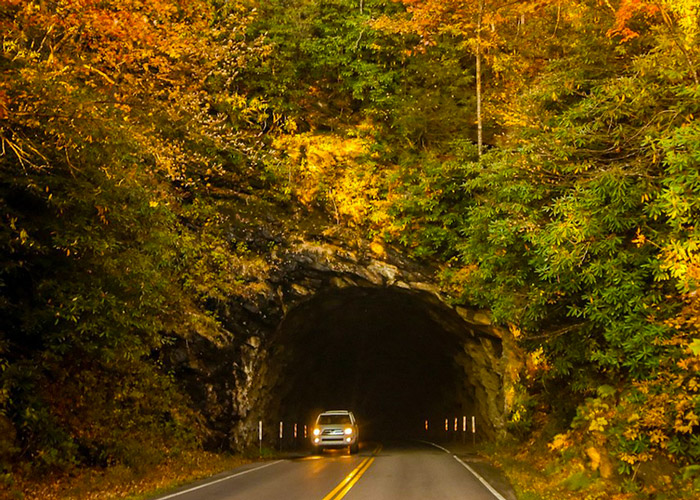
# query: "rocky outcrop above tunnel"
(310, 265)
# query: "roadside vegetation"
(556, 182)
(127, 482)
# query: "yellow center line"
(342, 489)
(354, 479)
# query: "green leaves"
(695, 347)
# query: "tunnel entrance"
(395, 357)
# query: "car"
(336, 429)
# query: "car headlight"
(348, 430)
(317, 432)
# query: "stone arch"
(310, 275)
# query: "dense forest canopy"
(125, 125)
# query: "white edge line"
(476, 475)
(483, 481)
(217, 481)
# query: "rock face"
(246, 379)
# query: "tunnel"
(395, 357)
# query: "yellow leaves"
(236, 101)
(682, 260)
(634, 458)
(687, 364)
(377, 248)
(631, 433)
(658, 437)
(598, 424)
(509, 395)
(582, 167)
(290, 126)
(684, 423)
(640, 239)
(594, 457)
(656, 412)
(662, 408)
(351, 196)
(693, 385)
(682, 427)
(332, 169)
(102, 214)
(516, 331)
(687, 16)
(560, 443)
(537, 361)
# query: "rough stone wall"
(232, 383)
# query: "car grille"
(332, 432)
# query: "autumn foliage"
(108, 254)
(128, 130)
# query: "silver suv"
(336, 429)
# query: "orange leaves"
(682, 14)
(429, 18)
(113, 36)
(628, 10)
(640, 239)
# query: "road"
(401, 471)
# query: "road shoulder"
(483, 467)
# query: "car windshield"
(333, 419)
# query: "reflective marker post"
(260, 435)
(464, 428)
(473, 431)
(281, 433)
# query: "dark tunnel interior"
(387, 354)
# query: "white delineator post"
(473, 430)
(260, 435)
(281, 434)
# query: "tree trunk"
(479, 121)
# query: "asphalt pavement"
(396, 471)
